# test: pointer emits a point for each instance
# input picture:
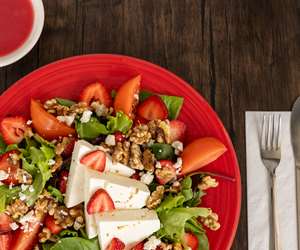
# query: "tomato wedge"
(46, 124)
(125, 99)
(201, 152)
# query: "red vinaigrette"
(16, 22)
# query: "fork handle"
(275, 240)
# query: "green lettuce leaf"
(76, 243)
(171, 202)
(120, 122)
(2, 145)
(7, 195)
(173, 103)
(65, 102)
(55, 193)
(91, 129)
(173, 221)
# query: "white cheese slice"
(130, 226)
(75, 192)
(126, 193)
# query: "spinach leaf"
(65, 102)
(47, 246)
(76, 243)
(203, 243)
(2, 145)
(173, 103)
(55, 193)
(91, 129)
(162, 151)
(173, 221)
(120, 122)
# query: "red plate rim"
(60, 64)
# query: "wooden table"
(240, 55)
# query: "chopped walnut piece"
(121, 152)
(79, 108)
(44, 235)
(53, 107)
(165, 174)
(62, 217)
(17, 209)
(165, 246)
(211, 221)
(60, 146)
(207, 182)
(135, 160)
(155, 198)
(148, 160)
(140, 134)
(160, 130)
(175, 187)
(58, 163)
(177, 246)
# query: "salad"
(108, 171)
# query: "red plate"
(66, 78)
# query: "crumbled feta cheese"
(29, 122)
(14, 226)
(67, 119)
(24, 187)
(178, 165)
(151, 142)
(28, 218)
(110, 140)
(157, 164)
(3, 175)
(152, 243)
(22, 196)
(86, 116)
(24, 177)
(31, 189)
(178, 146)
(51, 162)
(100, 109)
(147, 178)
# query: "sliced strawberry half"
(135, 176)
(96, 92)
(116, 244)
(51, 225)
(5, 241)
(95, 160)
(152, 108)
(139, 246)
(5, 220)
(166, 173)
(10, 167)
(13, 129)
(26, 240)
(68, 150)
(139, 120)
(63, 180)
(100, 202)
(177, 130)
(191, 240)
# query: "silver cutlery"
(295, 138)
(271, 154)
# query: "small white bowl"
(38, 24)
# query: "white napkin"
(257, 187)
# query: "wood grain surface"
(240, 55)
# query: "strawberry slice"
(139, 120)
(68, 150)
(135, 176)
(152, 108)
(166, 173)
(177, 130)
(96, 92)
(63, 180)
(26, 240)
(10, 167)
(139, 246)
(5, 241)
(5, 220)
(191, 240)
(100, 202)
(13, 129)
(95, 160)
(116, 244)
(51, 225)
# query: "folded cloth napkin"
(258, 192)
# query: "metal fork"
(271, 154)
